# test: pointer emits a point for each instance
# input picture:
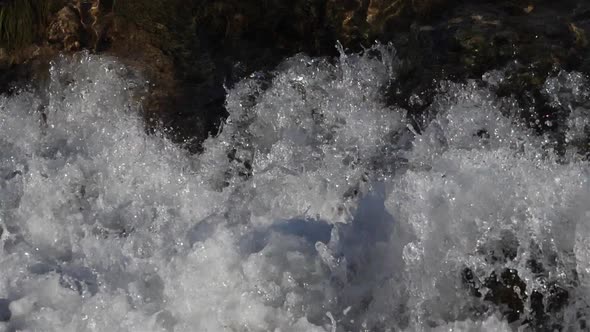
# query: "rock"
(464, 40)
(96, 17)
(65, 30)
(189, 49)
(135, 47)
(5, 313)
(507, 291)
(82, 24)
(579, 34)
(428, 7)
(542, 308)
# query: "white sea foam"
(317, 207)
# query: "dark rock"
(558, 298)
(471, 282)
(65, 30)
(507, 291)
(190, 49)
(539, 317)
(5, 313)
(547, 315)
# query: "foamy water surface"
(316, 208)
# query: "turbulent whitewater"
(316, 207)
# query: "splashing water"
(316, 208)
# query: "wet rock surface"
(223, 41)
(65, 29)
(531, 41)
(541, 308)
(5, 313)
(190, 49)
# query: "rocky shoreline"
(188, 50)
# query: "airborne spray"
(316, 208)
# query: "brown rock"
(135, 47)
(65, 29)
(426, 7)
(579, 35)
(380, 11)
(348, 19)
(96, 17)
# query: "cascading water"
(316, 208)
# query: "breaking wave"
(316, 208)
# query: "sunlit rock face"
(316, 208)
